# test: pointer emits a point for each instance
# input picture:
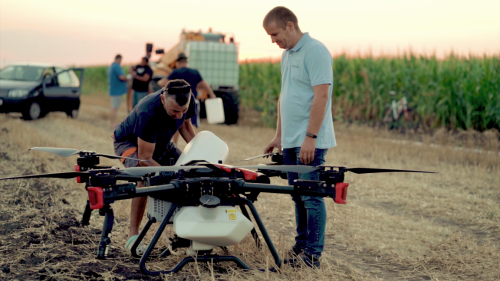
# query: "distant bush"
(95, 81)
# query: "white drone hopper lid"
(204, 146)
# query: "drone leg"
(264, 233)
(137, 242)
(254, 232)
(86, 214)
(146, 255)
(109, 218)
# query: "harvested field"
(442, 226)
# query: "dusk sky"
(92, 32)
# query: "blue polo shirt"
(116, 86)
(306, 65)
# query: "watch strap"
(311, 135)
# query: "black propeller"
(64, 175)
(376, 170)
(66, 152)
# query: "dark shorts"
(128, 149)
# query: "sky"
(92, 32)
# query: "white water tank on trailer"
(204, 146)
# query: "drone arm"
(301, 187)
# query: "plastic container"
(215, 111)
(205, 146)
(226, 226)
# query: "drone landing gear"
(109, 218)
(243, 202)
(86, 214)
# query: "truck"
(215, 56)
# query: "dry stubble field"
(442, 226)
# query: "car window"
(63, 78)
(75, 82)
(21, 73)
(67, 78)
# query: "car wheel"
(33, 111)
(73, 113)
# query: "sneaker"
(305, 259)
(140, 249)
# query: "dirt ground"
(442, 226)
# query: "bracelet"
(311, 135)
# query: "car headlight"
(18, 93)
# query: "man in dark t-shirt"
(142, 74)
(146, 134)
(193, 77)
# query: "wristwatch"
(311, 135)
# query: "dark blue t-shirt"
(192, 76)
(150, 122)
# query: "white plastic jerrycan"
(215, 111)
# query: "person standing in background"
(193, 77)
(117, 88)
(141, 74)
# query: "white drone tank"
(210, 225)
(204, 146)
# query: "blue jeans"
(310, 211)
(137, 96)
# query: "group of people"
(141, 76)
(304, 125)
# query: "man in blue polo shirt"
(117, 87)
(305, 126)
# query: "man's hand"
(275, 143)
(307, 150)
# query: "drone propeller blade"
(141, 171)
(375, 170)
(120, 157)
(260, 156)
(301, 169)
(64, 152)
(64, 175)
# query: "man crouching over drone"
(146, 134)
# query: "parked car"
(37, 89)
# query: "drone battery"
(158, 209)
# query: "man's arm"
(187, 130)
(204, 86)
(276, 142)
(318, 109)
(163, 82)
(145, 151)
(144, 78)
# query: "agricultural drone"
(198, 195)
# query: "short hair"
(281, 16)
(178, 89)
(118, 56)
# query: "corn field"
(453, 93)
